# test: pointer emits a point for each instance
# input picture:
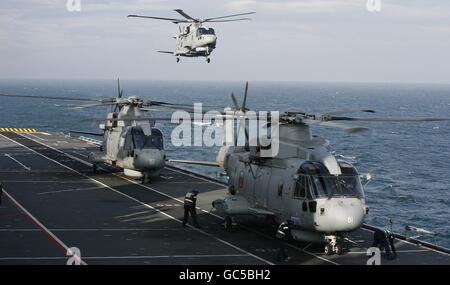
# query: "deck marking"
(134, 199)
(44, 181)
(34, 136)
(94, 230)
(70, 190)
(179, 200)
(401, 251)
(415, 244)
(43, 229)
(18, 162)
(130, 257)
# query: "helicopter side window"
(201, 31)
(300, 187)
(320, 187)
(127, 141)
(156, 139)
(137, 138)
(308, 188)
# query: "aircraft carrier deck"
(53, 201)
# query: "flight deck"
(53, 201)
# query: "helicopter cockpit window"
(324, 184)
(303, 188)
(138, 138)
(204, 31)
(300, 187)
(156, 139)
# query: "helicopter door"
(128, 144)
(301, 199)
(262, 187)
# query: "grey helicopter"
(130, 139)
(195, 40)
(304, 182)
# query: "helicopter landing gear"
(145, 178)
(208, 60)
(228, 225)
(178, 59)
(335, 245)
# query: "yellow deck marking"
(19, 130)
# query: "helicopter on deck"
(130, 139)
(304, 182)
(195, 40)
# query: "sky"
(407, 41)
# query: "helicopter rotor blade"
(53, 98)
(244, 103)
(347, 129)
(74, 107)
(120, 93)
(388, 119)
(223, 21)
(175, 21)
(235, 102)
(228, 16)
(182, 13)
(347, 111)
(126, 119)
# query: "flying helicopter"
(195, 40)
(304, 182)
(130, 139)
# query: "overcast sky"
(294, 40)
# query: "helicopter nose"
(151, 159)
(210, 39)
(340, 215)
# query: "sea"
(409, 161)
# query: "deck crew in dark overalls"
(385, 239)
(283, 234)
(190, 201)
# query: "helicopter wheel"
(328, 249)
(228, 223)
(339, 249)
(145, 178)
(208, 60)
(178, 59)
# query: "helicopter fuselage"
(195, 41)
(280, 189)
(135, 146)
(304, 183)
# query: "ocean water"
(409, 162)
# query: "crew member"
(385, 239)
(283, 234)
(190, 201)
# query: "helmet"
(195, 191)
